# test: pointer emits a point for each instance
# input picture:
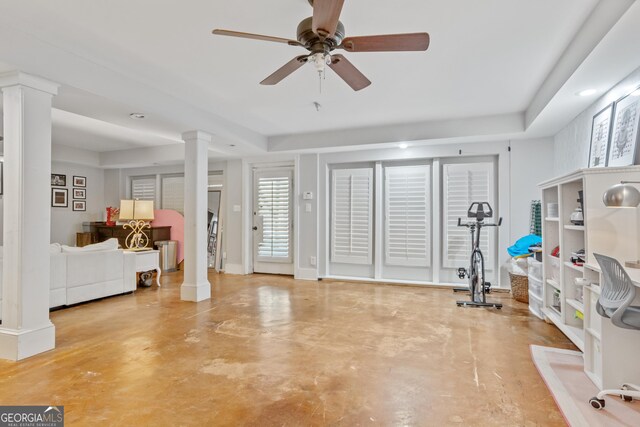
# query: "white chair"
(617, 292)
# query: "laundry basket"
(519, 287)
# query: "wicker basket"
(519, 287)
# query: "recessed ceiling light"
(137, 116)
(403, 145)
(586, 92)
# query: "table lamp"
(138, 213)
(623, 195)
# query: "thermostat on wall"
(307, 195)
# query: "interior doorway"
(273, 220)
(214, 235)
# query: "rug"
(562, 371)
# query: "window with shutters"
(407, 200)
(462, 185)
(352, 216)
(274, 212)
(143, 188)
(173, 193)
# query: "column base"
(18, 345)
(195, 292)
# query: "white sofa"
(88, 273)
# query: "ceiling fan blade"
(219, 32)
(284, 71)
(387, 43)
(326, 14)
(348, 72)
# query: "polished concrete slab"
(270, 350)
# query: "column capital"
(196, 135)
(18, 78)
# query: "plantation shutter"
(143, 188)
(462, 185)
(275, 213)
(352, 216)
(407, 215)
(173, 193)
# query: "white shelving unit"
(613, 232)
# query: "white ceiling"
(487, 58)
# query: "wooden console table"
(154, 234)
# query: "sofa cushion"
(107, 245)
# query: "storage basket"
(519, 287)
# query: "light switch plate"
(237, 208)
(307, 207)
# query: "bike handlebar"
(482, 224)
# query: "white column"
(196, 286)
(26, 329)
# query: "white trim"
(378, 223)
(19, 344)
(392, 281)
(18, 78)
(436, 231)
(306, 274)
(234, 269)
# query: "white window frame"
(487, 237)
(423, 201)
(351, 174)
(151, 179)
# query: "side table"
(146, 260)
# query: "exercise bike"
(478, 287)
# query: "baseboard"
(195, 292)
(234, 269)
(18, 345)
(307, 274)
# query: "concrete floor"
(269, 350)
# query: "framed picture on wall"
(79, 205)
(59, 198)
(624, 136)
(79, 181)
(80, 193)
(600, 136)
(58, 180)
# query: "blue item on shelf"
(521, 247)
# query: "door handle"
(255, 228)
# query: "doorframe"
(249, 165)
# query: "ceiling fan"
(322, 33)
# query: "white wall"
(530, 164)
(571, 144)
(307, 241)
(65, 223)
(233, 237)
